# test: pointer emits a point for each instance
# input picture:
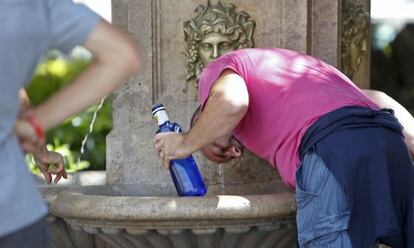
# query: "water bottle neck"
(161, 117)
(166, 123)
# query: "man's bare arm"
(115, 58)
(226, 106)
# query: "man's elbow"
(114, 49)
(230, 103)
(238, 102)
(236, 108)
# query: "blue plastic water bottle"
(184, 172)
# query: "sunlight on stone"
(171, 204)
(233, 202)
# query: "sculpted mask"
(354, 39)
(216, 30)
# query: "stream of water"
(220, 169)
(85, 139)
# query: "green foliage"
(51, 75)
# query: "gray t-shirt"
(29, 28)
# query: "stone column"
(325, 31)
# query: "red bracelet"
(36, 126)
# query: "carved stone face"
(357, 51)
(213, 46)
(354, 38)
(216, 30)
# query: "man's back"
(288, 91)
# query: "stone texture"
(325, 36)
(95, 204)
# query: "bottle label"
(161, 117)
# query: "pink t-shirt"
(288, 92)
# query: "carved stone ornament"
(354, 38)
(216, 30)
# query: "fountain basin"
(152, 216)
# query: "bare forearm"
(403, 116)
(94, 83)
(115, 58)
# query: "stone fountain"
(136, 205)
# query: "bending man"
(334, 143)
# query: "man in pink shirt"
(266, 100)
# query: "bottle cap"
(156, 108)
(159, 113)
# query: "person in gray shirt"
(29, 29)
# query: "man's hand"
(50, 163)
(170, 146)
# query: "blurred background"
(392, 49)
(392, 71)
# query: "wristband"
(36, 126)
